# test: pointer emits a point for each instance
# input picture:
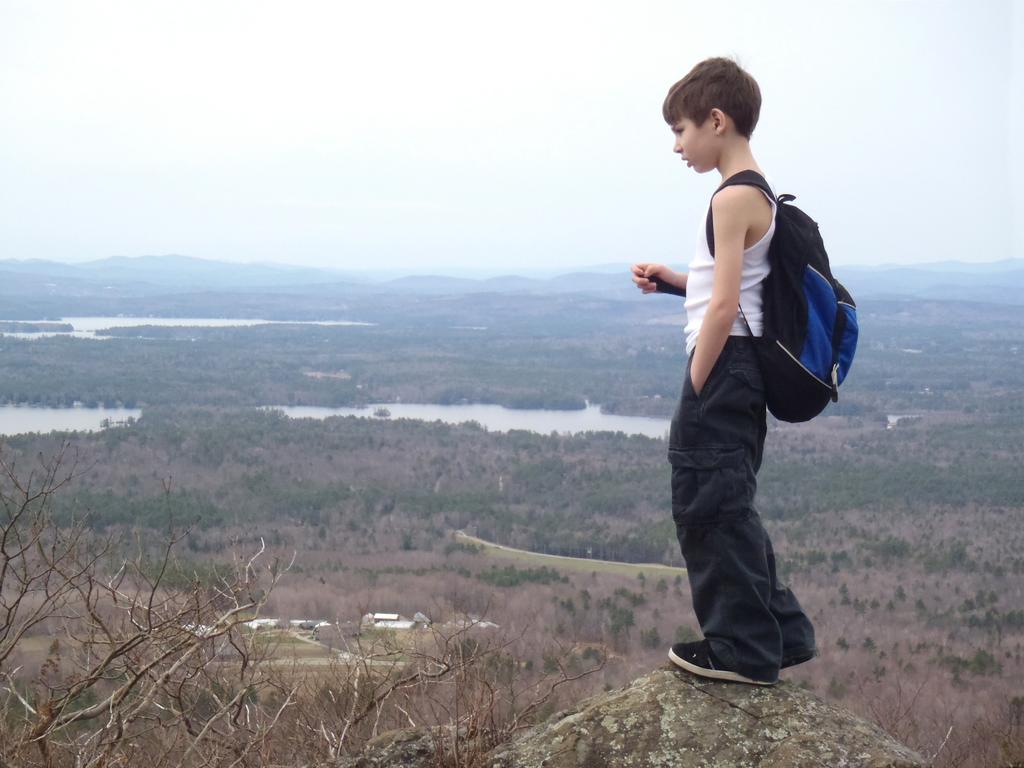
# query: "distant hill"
(159, 273)
(1000, 282)
(120, 276)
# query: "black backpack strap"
(750, 178)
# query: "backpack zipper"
(797, 361)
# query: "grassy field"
(580, 564)
(286, 644)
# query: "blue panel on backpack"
(848, 344)
(816, 355)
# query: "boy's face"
(697, 145)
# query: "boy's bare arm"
(734, 210)
(645, 272)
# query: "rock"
(410, 748)
(669, 718)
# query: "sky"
(475, 136)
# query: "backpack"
(810, 319)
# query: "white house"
(388, 621)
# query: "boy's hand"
(698, 381)
(643, 272)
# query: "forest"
(902, 539)
(517, 351)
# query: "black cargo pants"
(715, 445)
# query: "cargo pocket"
(751, 377)
(710, 484)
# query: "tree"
(650, 638)
(137, 655)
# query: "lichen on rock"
(672, 719)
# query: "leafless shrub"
(138, 668)
(148, 664)
(463, 682)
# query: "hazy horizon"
(994, 266)
(457, 137)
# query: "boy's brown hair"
(716, 82)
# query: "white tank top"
(701, 277)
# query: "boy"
(752, 625)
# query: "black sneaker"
(798, 658)
(697, 658)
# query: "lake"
(497, 418)
(93, 327)
(21, 419)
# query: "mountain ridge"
(995, 282)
